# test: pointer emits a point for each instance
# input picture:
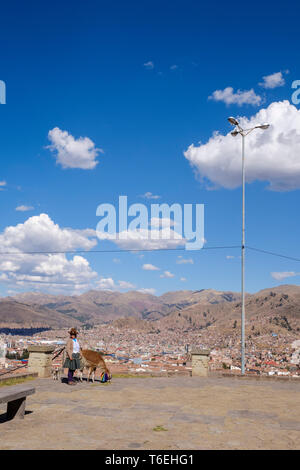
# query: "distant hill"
(104, 306)
(274, 310)
(15, 314)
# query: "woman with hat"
(72, 361)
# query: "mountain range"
(100, 306)
(274, 310)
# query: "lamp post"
(243, 132)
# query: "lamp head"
(234, 133)
(233, 121)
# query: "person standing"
(72, 361)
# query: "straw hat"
(73, 331)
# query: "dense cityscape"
(138, 352)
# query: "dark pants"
(70, 375)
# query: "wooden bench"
(15, 397)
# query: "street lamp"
(243, 132)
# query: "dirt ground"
(158, 413)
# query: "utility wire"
(137, 250)
(272, 253)
(5, 253)
(134, 250)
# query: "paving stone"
(96, 411)
(290, 425)
(198, 413)
(250, 414)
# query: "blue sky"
(135, 78)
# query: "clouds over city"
(167, 274)
(149, 195)
(73, 153)
(240, 97)
(110, 284)
(280, 276)
(53, 270)
(33, 257)
(24, 208)
(228, 96)
(181, 260)
(272, 156)
(149, 65)
(273, 81)
(150, 267)
(142, 239)
(146, 290)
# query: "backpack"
(104, 377)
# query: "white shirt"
(76, 346)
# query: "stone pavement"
(158, 413)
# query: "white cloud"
(147, 291)
(229, 257)
(273, 81)
(106, 284)
(183, 279)
(167, 274)
(109, 284)
(71, 152)
(40, 233)
(174, 67)
(2, 185)
(149, 65)
(24, 208)
(239, 98)
(161, 222)
(184, 260)
(149, 195)
(271, 156)
(279, 276)
(142, 239)
(126, 285)
(55, 271)
(150, 267)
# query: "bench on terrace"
(15, 397)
